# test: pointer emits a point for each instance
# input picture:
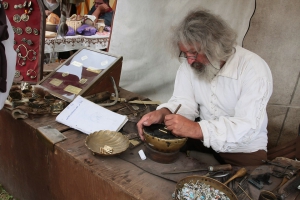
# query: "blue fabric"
(86, 30)
(71, 31)
(106, 16)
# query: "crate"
(74, 24)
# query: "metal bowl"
(113, 139)
(161, 141)
(208, 181)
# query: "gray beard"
(206, 71)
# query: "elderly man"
(225, 85)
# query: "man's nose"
(190, 60)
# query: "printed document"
(88, 117)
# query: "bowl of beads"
(202, 187)
(162, 140)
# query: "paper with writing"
(88, 117)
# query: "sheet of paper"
(88, 117)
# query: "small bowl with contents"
(160, 139)
(202, 187)
(106, 143)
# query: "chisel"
(214, 168)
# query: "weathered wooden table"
(30, 170)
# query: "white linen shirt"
(232, 106)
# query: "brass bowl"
(208, 181)
(160, 141)
(113, 139)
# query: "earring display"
(33, 55)
(16, 18)
(27, 18)
(31, 73)
(5, 5)
(28, 30)
(19, 31)
(24, 17)
(35, 31)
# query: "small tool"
(240, 173)
(279, 165)
(244, 191)
(256, 183)
(225, 167)
(217, 174)
(241, 183)
(165, 130)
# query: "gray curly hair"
(207, 33)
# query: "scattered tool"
(244, 191)
(279, 165)
(215, 168)
(241, 183)
(240, 173)
(217, 174)
(256, 183)
(165, 130)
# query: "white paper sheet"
(88, 117)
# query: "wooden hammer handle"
(241, 172)
(224, 167)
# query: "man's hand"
(154, 117)
(183, 127)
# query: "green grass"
(4, 195)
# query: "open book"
(88, 117)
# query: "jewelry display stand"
(85, 73)
(28, 21)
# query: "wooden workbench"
(30, 170)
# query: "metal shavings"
(199, 191)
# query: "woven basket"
(74, 24)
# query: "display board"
(86, 72)
(28, 22)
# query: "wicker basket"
(74, 24)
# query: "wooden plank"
(23, 160)
(118, 173)
(30, 171)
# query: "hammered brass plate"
(208, 181)
(166, 143)
(114, 139)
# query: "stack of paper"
(88, 117)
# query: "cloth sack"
(86, 30)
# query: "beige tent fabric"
(274, 35)
(141, 34)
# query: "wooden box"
(85, 73)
